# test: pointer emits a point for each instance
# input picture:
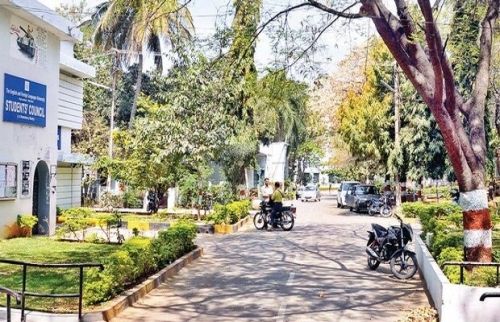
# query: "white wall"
(23, 142)
(70, 102)
(69, 185)
(276, 160)
(455, 303)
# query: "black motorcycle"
(389, 245)
(285, 219)
(380, 206)
(153, 203)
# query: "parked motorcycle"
(380, 206)
(285, 219)
(390, 245)
(153, 203)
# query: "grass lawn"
(45, 250)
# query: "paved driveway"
(317, 272)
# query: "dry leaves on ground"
(421, 314)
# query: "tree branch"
(390, 29)
(476, 104)
(405, 18)
(482, 77)
(332, 11)
(434, 52)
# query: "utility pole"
(397, 126)
(112, 112)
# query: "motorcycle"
(153, 203)
(285, 219)
(380, 206)
(390, 245)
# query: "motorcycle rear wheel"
(373, 263)
(404, 266)
(259, 221)
(287, 221)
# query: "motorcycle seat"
(380, 231)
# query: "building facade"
(41, 93)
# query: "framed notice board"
(8, 181)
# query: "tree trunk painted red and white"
(477, 225)
(460, 119)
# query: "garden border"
(131, 296)
(234, 228)
(454, 303)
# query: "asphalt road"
(317, 272)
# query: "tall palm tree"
(136, 27)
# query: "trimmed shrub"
(26, 223)
(230, 213)
(137, 258)
(450, 254)
(174, 242)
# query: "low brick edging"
(231, 229)
(129, 297)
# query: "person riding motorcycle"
(277, 199)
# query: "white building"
(271, 162)
(41, 93)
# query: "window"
(366, 190)
(59, 138)
(8, 181)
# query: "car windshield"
(310, 188)
(366, 190)
(346, 186)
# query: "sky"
(336, 44)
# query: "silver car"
(341, 194)
(311, 193)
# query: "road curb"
(129, 297)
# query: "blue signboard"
(24, 101)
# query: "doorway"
(41, 195)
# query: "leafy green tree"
(365, 117)
(182, 125)
(134, 26)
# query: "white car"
(310, 193)
(341, 194)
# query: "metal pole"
(80, 299)
(397, 126)
(8, 308)
(23, 299)
(461, 274)
(112, 113)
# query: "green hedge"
(137, 258)
(230, 213)
(443, 191)
(444, 222)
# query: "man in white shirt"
(266, 191)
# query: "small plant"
(93, 238)
(26, 222)
(76, 221)
(135, 232)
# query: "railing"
(24, 293)
(488, 294)
(10, 294)
(472, 264)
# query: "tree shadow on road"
(316, 274)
